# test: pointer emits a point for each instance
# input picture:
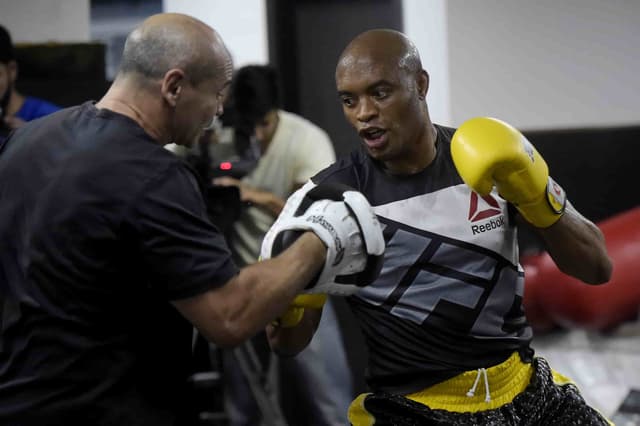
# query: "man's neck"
(423, 155)
(140, 108)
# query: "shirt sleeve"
(182, 251)
(315, 154)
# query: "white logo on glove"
(336, 240)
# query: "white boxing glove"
(344, 220)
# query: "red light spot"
(225, 166)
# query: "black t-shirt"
(100, 227)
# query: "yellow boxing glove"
(293, 315)
(487, 151)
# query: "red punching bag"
(554, 298)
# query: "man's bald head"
(170, 40)
(382, 88)
(382, 46)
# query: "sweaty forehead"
(356, 69)
(371, 53)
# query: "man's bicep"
(183, 253)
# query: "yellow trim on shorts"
(357, 414)
(560, 379)
(506, 381)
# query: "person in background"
(291, 149)
(16, 108)
(447, 337)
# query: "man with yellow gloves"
(446, 333)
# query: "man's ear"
(172, 83)
(423, 84)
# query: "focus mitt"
(344, 220)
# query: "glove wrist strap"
(548, 208)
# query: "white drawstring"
(487, 395)
(472, 391)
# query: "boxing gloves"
(294, 313)
(487, 151)
(343, 219)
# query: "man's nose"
(366, 110)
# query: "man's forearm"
(256, 296)
(578, 248)
(266, 200)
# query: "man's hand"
(13, 122)
(229, 181)
(487, 151)
(260, 198)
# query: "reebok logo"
(481, 208)
(475, 214)
(492, 224)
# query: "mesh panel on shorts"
(542, 403)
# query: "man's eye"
(380, 94)
(348, 102)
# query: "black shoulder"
(348, 170)
(446, 132)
